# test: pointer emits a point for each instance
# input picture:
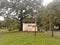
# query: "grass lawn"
(25, 38)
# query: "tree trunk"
(21, 25)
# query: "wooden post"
(52, 33)
(35, 30)
(52, 30)
(35, 26)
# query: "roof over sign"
(28, 20)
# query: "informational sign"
(29, 27)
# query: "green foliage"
(14, 25)
(11, 24)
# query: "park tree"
(55, 6)
(52, 12)
(20, 9)
(54, 9)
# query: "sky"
(1, 18)
(45, 3)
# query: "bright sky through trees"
(1, 18)
(46, 2)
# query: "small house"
(29, 25)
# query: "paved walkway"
(56, 33)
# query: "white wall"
(29, 27)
